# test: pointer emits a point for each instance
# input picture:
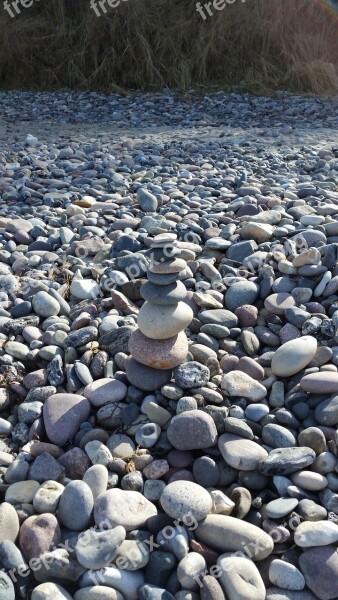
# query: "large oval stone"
(159, 354)
(294, 356)
(228, 534)
(127, 508)
(76, 505)
(240, 453)
(161, 322)
(324, 382)
(105, 390)
(63, 415)
(182, 498)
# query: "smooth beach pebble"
(239, 453)
(293, 356)
(182, 498)
(50, 591)
(160, 322)
(127, 508)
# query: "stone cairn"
(160, 344)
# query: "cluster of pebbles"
(168, 109)
(168, 364)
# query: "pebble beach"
(168, 347)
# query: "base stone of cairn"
(160, 344)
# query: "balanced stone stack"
(160, 344)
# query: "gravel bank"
(168, 347)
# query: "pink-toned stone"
(156, 469)
(250, 367)
(123, 303)
(39, 534)
(323, 382)
(247, 315)
(159, 354)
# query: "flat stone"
(228, 534)
(192, 430)
(293, 356)
(276, 509)
(132, 555)
(127, 508)
(180, 498)
(316, 533)
(170, 265)
(161, 322)
(240, 453)
(159, 354)
(277, 436)
(63, 414)
(96, 549)
(285, 575)
(106, 390)
(117, 340)
(310, 511)
(145, 378)
(22, 492)
(308, 480)
(326, 413)
(284, 461)
(238, 383)
(218, 316)
(163, 295)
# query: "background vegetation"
(260, 45)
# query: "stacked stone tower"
(160, 342)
